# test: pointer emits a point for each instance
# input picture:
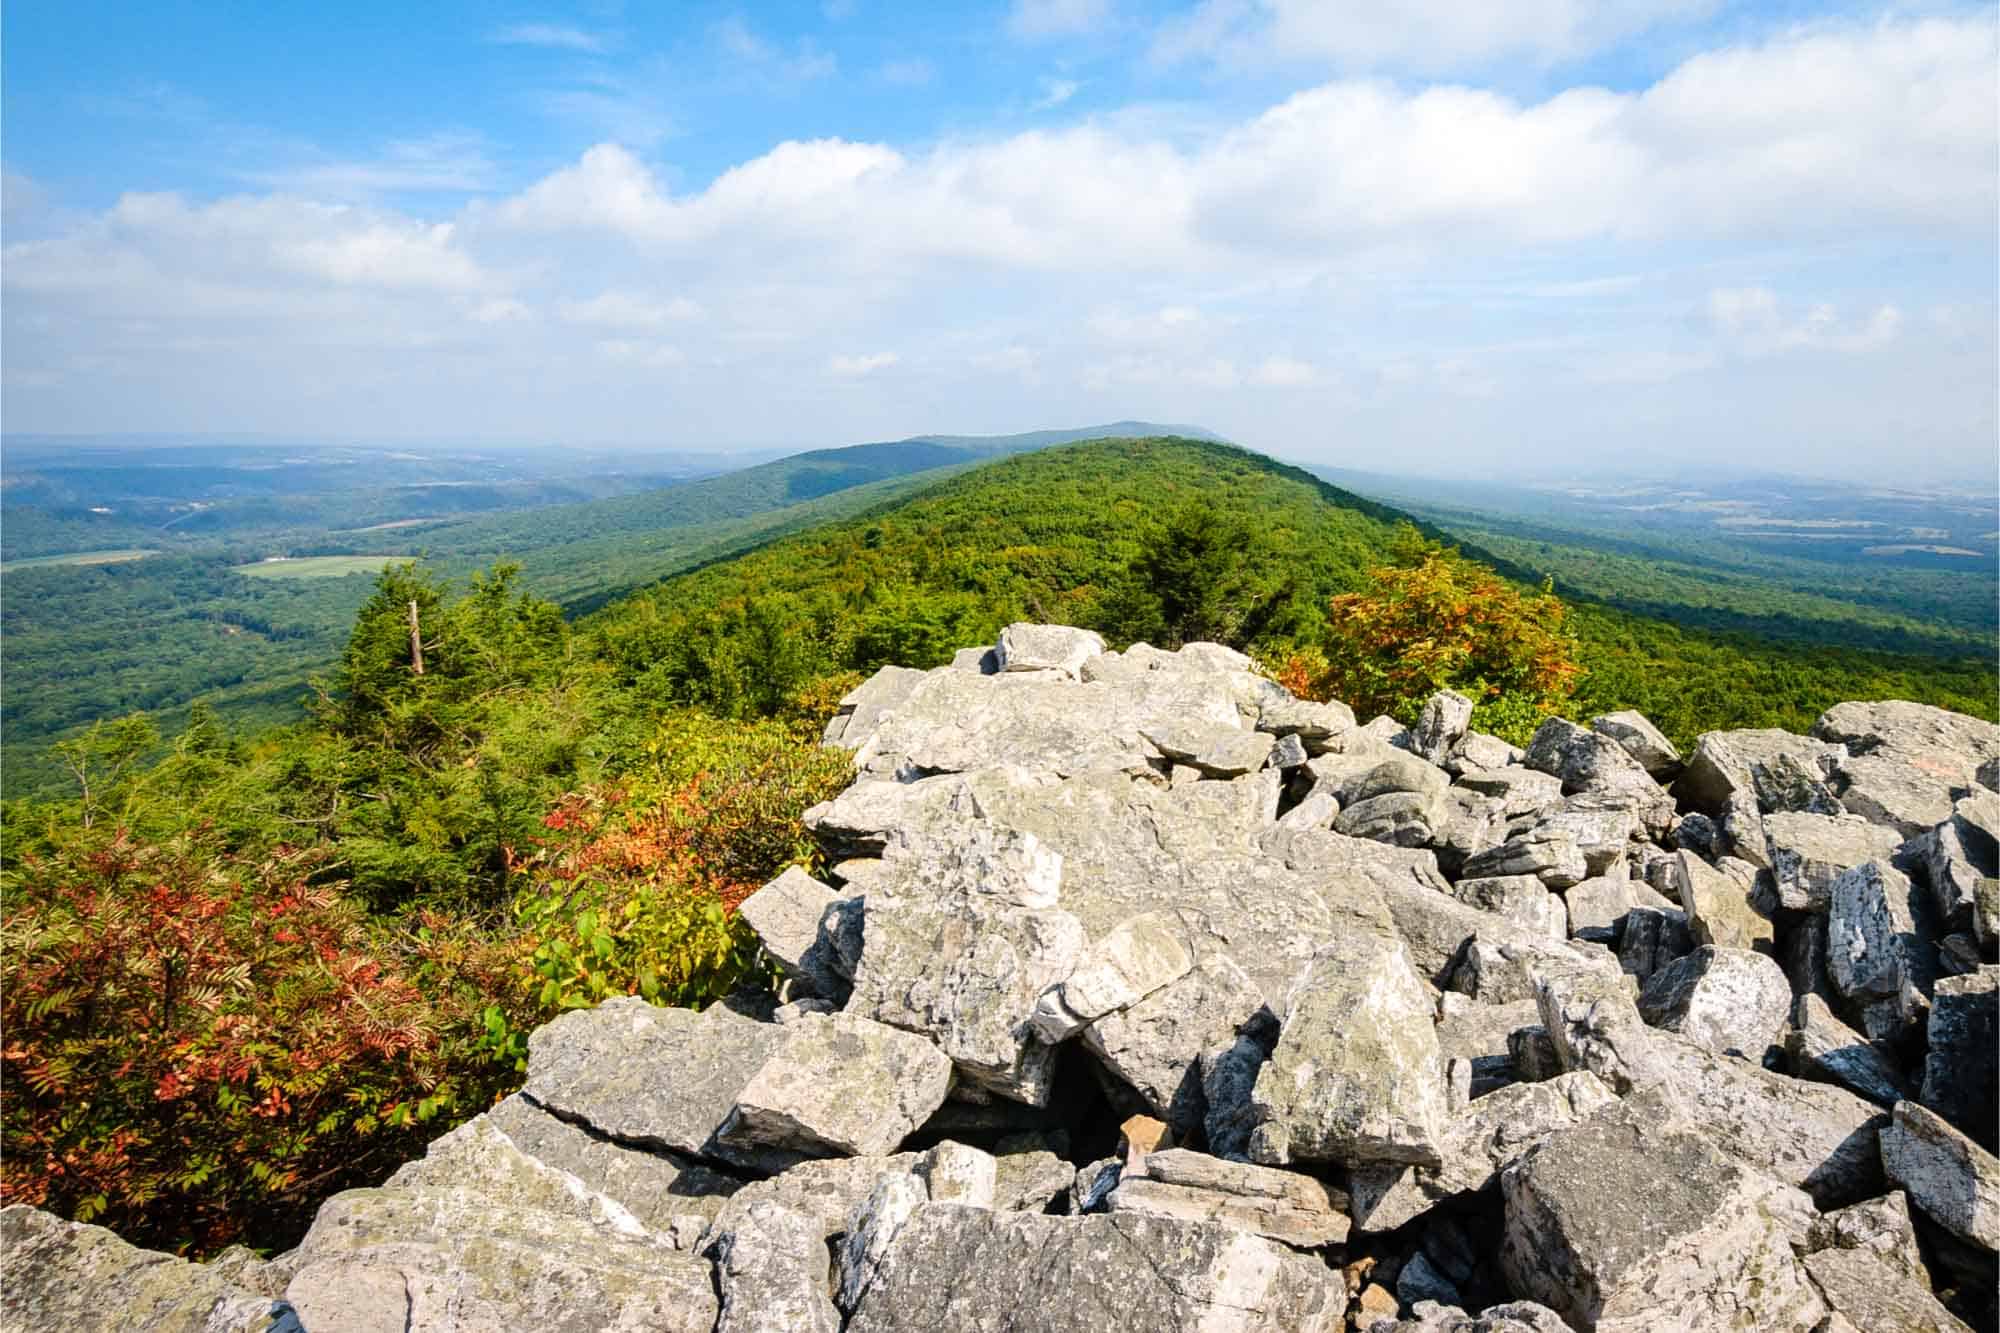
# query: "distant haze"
(1468, 239)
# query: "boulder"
(1651, 938)
(1729, 1000)
(1595, 909)
(959, 1173)
(1962, 858)
(1724, 763)
(951, 1267)
(1477, 752)
(1550, 854)
(1625, 1223)
(1820, 1046)
(1478, 1144)
(771, 1271)
(785, 916)
(479, 1234)
(1313, 723)
(1642, 740)
(1808, 852)
(1719, 909)
(653, 1077)
(1876, 941)
(1869, 1294)
(1501, 969)
(71, 1276)
(1880, 1228)
(1284, 1206)
(967, 974)
(1140, 955)
(1157, 1044)
(861, 710)
(656, 1186)
(1893, 793)
(1025, 647)
(1218, 750)
(1817, 1138)
(1401, 818)
(827, 1190)
(1356, 1075)
(1520, 899)
(1520, 791)
(838, 1083)
(1443, 722)
(1951, 1180)
(1950, 747)
(1962, 1068)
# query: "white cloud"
(1054, 93)
(1427, 35)
(854, 367)
(555, 36)
(747, 47)
(1754, 321)
(1057, 18)
(443, 162)
(625, 310)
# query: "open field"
(115, 557)
(317, 566)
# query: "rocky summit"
(1138, 994)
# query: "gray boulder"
(1651, 938)
(1893, 793)
(1477, 752)
(1729, 1000)
(1866, 1293)
(1950, 1179)
(838, 1083)
(1521, 791)
(1622, 1222)
(1962, 860)
(1551, 854)
(1313, 723)
(1821, 1047)
(1157, 1045)
(1880, 1228)
(1284, 1206)
(954, 1268)
(1589, 762)
(1218, 750)
(1140, 955)
(656, 1186)
(967, 974)
(71, 1276)
(1520, 899)
(1877, 942)
(1724, 762)
(1026, 647)
(1441, 725)
(785, 915)
(653, 1077)
(1960, 1070)
(1951, 747)
(1812, 1136)
(1479, 1143)
(1808, 852)
(1720, 910)
(771, 1270)
(1642, 740)
(861, 710)
(1356, 1075)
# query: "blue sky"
(1489, 238)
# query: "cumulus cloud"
(1755, 322)
(1424, 35)
(854, 367)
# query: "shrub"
(197, 1048)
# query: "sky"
(1507, 239)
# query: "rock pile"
(1142, 995)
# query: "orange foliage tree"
(1433, 621)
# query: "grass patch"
(318, 566)
(117, 557)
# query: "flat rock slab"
(1870, 1294)
(951, 1269)
(655, 1186)
(71, 1276)
(838, 1083)
(1624, 1223)
(1286, 1206)
(1808, 852)
(653, 1077)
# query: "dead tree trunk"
(416, 643)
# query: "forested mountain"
(215, 614)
